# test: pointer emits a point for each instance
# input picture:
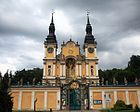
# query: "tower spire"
(51, 38)
(89, 38)
(52, 17)
(88, 17)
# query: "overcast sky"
(24, 27)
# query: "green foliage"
(130, 73)
(137, 109)
(119, 105)
(6, 103)
(28, 76)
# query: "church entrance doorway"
(75, 96)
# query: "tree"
(6, 103)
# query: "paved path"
(78, 111)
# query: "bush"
(129, 107)
(119, 105)
(137, 109)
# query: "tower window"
(92, 70)
(49, 70)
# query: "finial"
(52, 15)
(88, 17)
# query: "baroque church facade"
(70, 63)
(70, 79)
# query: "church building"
(70, 79)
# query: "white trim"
(60, 70)
(95, 50)
(33, 98)
(87, 70)
(58, 99)
(91, 99)
(54, 52)
(19, 100)
(64, 71)
(127, 97)
(80, 70)
(45, 100)
(44, 71)
(76, 70)
(103, 99)
(86, 52)
(54, 70)
(115, 96)
(96, 70)
(138, 94)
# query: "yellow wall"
(133, 98)
(15, 96)
(121, 95)
(40, 100)
(26, 101)
(97, 96)
(52, 100)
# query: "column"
(19, 100)
(54, 52)
(60, 70)
(97, 70)
(95, 52)
(76, 70)
(80, 70)
(58, 100)
(138, 94)
(45, 100)
(115, 96)
(86, 52)
(103, 99)
(91, 99)
(64, 70)
(33, 98)
(87, 70)
(54, 70)
(127, 97)
(44, 71)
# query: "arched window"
(92, 70)
(49, 70)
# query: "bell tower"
(49, 61)
(89, 48)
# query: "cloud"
(24, 27)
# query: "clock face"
(90, 50)
(50, 50)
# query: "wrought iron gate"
(74, 96)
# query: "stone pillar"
(44, 71)
(127, 97)
(54, 70)
(45, 100)
(33, 98)
(58, 100)
(86, 52)
(91, 99)
(60, 70)
(97, 70)
(76, 70)
(115, 96)
(80, 71)
(138, 94)
(64, 70)
(87, 70)
(19, 100)
(54, 52)
(95, 52)
(103, 99)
